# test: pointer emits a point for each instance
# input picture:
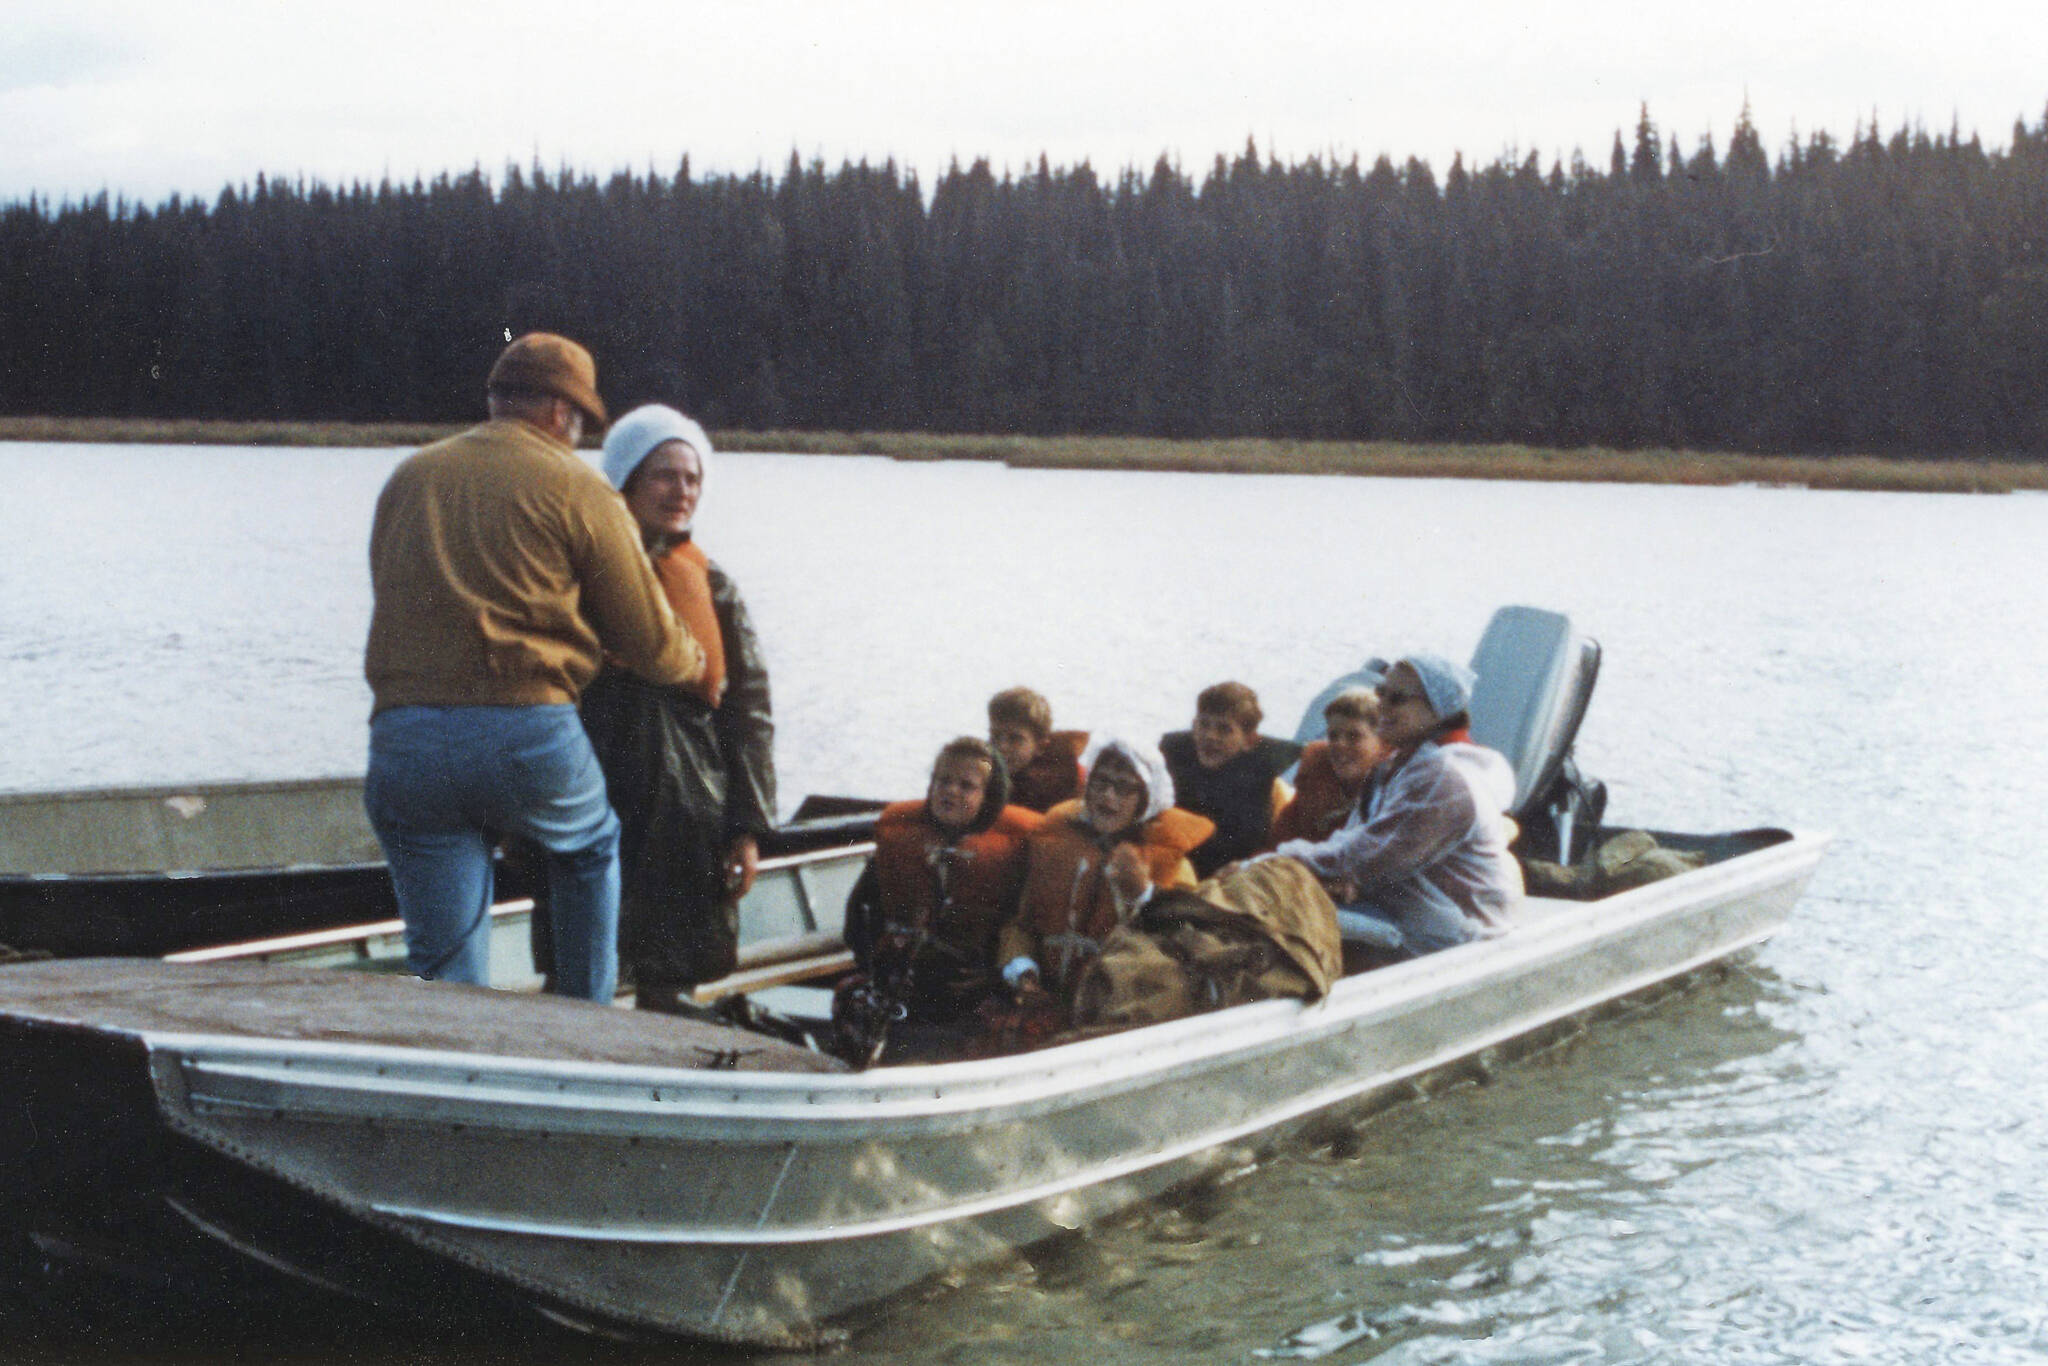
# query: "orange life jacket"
(975, 877)
(1054, 773)
(685, 574)
(1321, 802)
(1067, 903)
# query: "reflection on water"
(1836, 1156)
(1479, 1219)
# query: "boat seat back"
(1367, 675)
(1536, 677)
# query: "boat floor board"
(255, 1000)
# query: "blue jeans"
(1410, 933)
(445, 781)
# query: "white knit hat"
(1144, 760)
(633, 438)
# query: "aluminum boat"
(418, 1145)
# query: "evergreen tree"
(1887, 294)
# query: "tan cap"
(543, 363)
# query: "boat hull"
(757, 1206)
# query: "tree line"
(1889, 295)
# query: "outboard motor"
(1536, 677)
(1560, 825)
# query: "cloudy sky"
(144, 99)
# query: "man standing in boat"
(504, 570)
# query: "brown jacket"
(504, 569)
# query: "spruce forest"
(1887, 296)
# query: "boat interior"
(1537, 675)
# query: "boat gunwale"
(1019, 1083)
(240, 873)
(338, 869)
(156, 791)
(355, 858)
(1111, 1169)
(338, 936)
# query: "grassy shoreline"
(1384, 459)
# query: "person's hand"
(1127, 875)
(742, 864)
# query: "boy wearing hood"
(945, 875)
(1094, 863)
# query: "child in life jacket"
(1093, 863)
(1044, 764)
(923, 918)
(1223, 769)
(1333, 769)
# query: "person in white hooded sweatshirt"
(1422, 863)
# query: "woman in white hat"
(690, 769)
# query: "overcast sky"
(143, 99)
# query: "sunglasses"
(1116, 787)
(1390, 697)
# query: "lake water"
(1835, 1154)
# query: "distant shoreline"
(1385, 459)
